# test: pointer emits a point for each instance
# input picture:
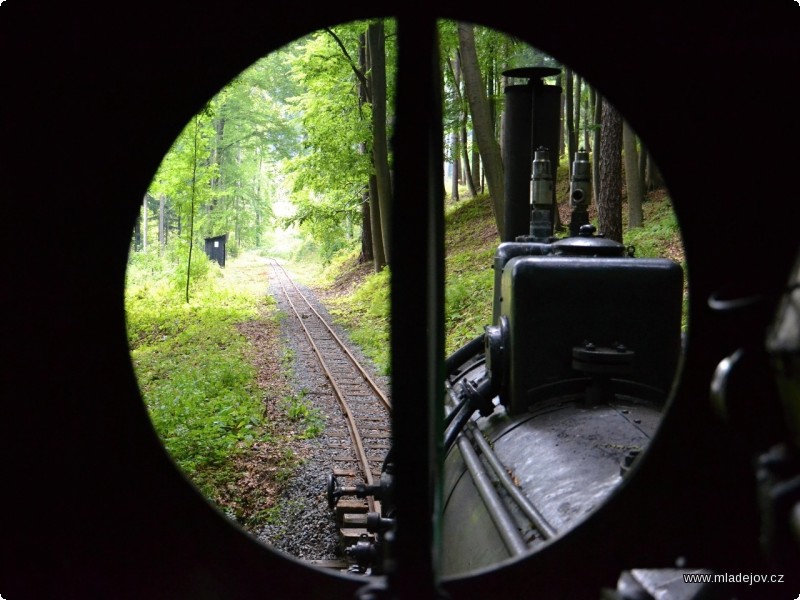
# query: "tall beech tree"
(633, 180)
(371, 251)
(597, 117)
(609, 198)
(376, 50)
(461, 143)
(482, 121)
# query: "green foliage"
(468, 299)
(471, 240)
(299, 410)
(365, 313)
(226, 159)
(329, 175)
(328, 224)
(192, 369)
(659, 234)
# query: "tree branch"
(353, 66)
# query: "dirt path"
(280, 497)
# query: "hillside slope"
(359, 298)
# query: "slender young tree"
(587, 128)
(455, 166)
(144, 222)
(467, 172)
(643, 166)
(367, 254)
(562, 124)
(162, 234)
(476, 165)
(191, 210)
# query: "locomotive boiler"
(548, 409)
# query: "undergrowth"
(191, 365)
(470, 243)
(301, 412)
(365, 313)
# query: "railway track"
(358, 444)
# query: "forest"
(300, 142)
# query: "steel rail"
(340, 396)
(378, 392)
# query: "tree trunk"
(455, 71)
(366, 230)
(454, 164)
(609, 200)
(476, 164)
(216, 182)
(654, 179)
(465, 156)
(466, 173)
(368, 214)
(482, 121)
(562, 126)
(257, 202)
(577, 121)
(633, 182)
(137, 235)
(492, 83)
(371, 226)
(597, 105)
(161, 238)
(643, 167)
(587, 142)
(237, 222)
(378, 257)
(569, 112)
(144, 223)
(376, 44)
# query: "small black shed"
(215, 248)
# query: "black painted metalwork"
(417, 294)
(531, 121)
